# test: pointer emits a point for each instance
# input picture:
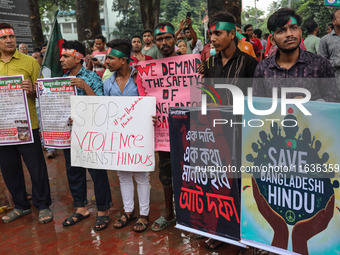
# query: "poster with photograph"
(55, 110)
(15, 124)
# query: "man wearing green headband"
(123, 83)
(231, 64)
(282, 69)
(290, 61)
(165, 41)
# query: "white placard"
(113, 133)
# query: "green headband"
(118, 54)
(240, 36)
(291, 20)
(227, 26)
(164, 29)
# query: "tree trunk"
(150, 13)
(232, 6)
(88, 19)
(37, 34)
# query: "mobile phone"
(94, 59)
(188, 14)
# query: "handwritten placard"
(113, 133)
(174, 82)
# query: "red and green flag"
(51, 66)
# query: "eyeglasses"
(249, 30)
(22, 48)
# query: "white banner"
(113, 133)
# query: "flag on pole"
(51, 66)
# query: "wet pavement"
(27, 236)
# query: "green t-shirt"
(153, 52)
(312, 43)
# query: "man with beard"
(165, 41)
(292, 62)
(150, 49)
(137, 54)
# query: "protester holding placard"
(165, 41)
(122, 83)
(12, 62)
(87, 83)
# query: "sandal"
(102, 222)
(163, 224)
(124, 223)
(141, 224)
(212, 244)
(15, 214)
(69, 221)
(45, 213)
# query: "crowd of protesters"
(109, 70)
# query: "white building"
(68, 24)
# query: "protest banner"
(171, 81)
(15, 124)
(55, 110)
(205, 189)
(289, 198)
(113, 133)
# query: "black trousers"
(12, 172)
(165, 173)
(76, 177)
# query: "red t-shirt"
(258, 43)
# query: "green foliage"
(248, 17)
(174, 11)
(131, 22)
(307, 9)
(313, 9)
(47, 8)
